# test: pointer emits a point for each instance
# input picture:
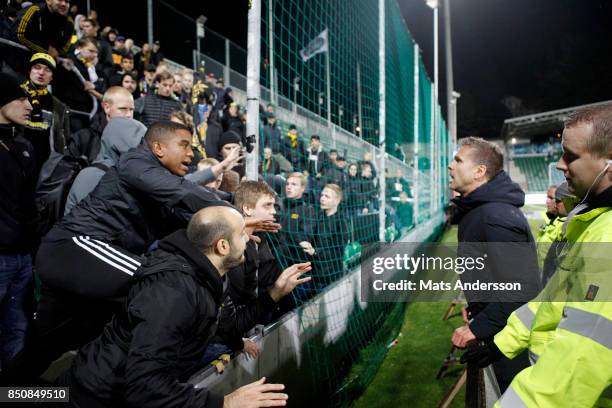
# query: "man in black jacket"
(298, 218)
(147, 353)
(252, 283)
(17, 182)
(87, 261)
(488, 211)
(49, 126)
(46, 28)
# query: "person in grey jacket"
(119, 136)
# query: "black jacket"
(319, 165)
(270, 137)
(135, 203)
(86, 142)
(152, 108)
(213, 134)
(331, 236)
(37, 28)
(146, 354)
(17, 183)
(68, 88)
(295, 152)
(247, 301)
(492, 214)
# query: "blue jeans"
(15, 276)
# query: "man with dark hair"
(138, 201)
(17, 182)
(488, 210)
(170, 315)
(155, 107)
(156, 55)
(270, 136)
(126, 67)
(70, 89)
(46, 27)
(318, 159)
(292, 148)
(105, 51)
(567, 327)
(147, 84)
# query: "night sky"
(547, 54)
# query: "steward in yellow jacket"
(568, 328)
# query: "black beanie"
(10, 89)
(228, 137)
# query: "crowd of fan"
(105, 153)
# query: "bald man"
(116, 102)
(169, 318)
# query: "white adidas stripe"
(105, 256)
(121, 254)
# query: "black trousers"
(84, 283)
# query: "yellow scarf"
(33, 91)
(293, 139)
(195, 142)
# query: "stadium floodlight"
(200, 21)
(434, 4)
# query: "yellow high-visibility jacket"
(568, 327)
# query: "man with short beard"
(170, 315)
(46, 27)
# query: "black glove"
(483, 355)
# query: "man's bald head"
(118, 102)
(211, 224)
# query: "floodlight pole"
(253, 89)
(381, 117)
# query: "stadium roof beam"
(538, 123)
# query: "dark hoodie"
(146, 354)
(491, 214)
(17, 182)
(86, 142)
(121, 135)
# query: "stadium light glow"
(432, 3)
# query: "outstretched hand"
(262, 225)
(255, 395)
(289, 279)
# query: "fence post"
(253, 89)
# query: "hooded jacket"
(491, 213)
(86, 142)
(17, 183)
(135, 203)
(121, 135)
(146, 354)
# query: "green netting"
(347, 339)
